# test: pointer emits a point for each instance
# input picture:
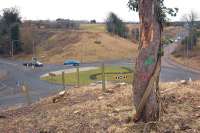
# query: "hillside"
(86, 47)
(88, 109)
(90, 43)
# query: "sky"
(87, 9)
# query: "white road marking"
(8, 63)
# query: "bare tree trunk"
(148, 63)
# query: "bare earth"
(89, 110)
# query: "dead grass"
(90, 44)
(93, 27)
(84, 47)
(88, 110)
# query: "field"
(93, 27)
(88, 110)
(92, 76)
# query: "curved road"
(10, 93)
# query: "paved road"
(10, 92)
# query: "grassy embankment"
(89, 44)
(91, 76)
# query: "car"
(27, 64)
(171, 40)
(36, 64)
(72, 62)
(179, 38)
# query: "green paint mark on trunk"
(149, 61)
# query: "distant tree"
(93, 21)
(191, 25)
(11, 15)
(15, 37)
(116, 26)
(10, 29)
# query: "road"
(10, 92)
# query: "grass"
(93, 27)
(87, 77)
(90, 44)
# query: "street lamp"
(12, 47)
(187, 51)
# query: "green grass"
(87, 77)
(93, 27)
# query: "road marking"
(8, 63)
(5, 86)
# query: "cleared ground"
(88, 110)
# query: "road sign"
(121, 77)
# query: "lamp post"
(12, 47)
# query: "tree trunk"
(148, 63)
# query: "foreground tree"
(152, 15)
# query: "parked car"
(36, 64)
(171, 40)
(72, 62)
(28, 64)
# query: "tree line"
(10, 23)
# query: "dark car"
(72, 62)
(27, 64)
(36, 64)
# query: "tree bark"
(148, 63)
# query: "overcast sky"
(87, 9)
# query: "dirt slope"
(89, 44)
(88, 110)
(86, 47)
(83, 45)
